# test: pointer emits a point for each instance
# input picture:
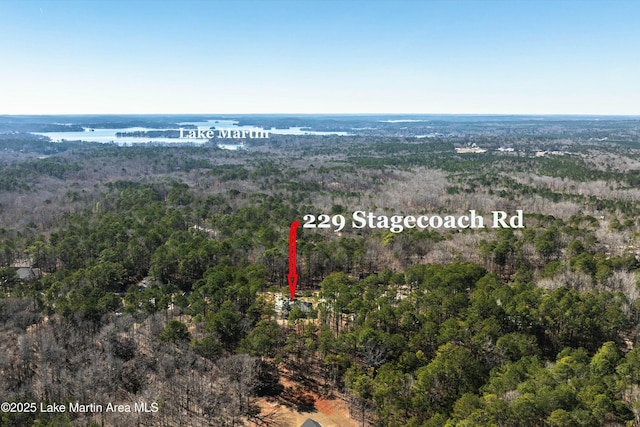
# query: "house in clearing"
(27, 274)
(284, 305)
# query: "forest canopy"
(159, 274)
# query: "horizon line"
(322, 114)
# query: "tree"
(226, 324)
(208, 347)
(174, 331)
(451, 373)
(8, 278)
(264, 340)
(604, 362)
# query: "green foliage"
(208, 347)
(8, 278)
(174, 331)
(225, 323)
(414, 344)
(265, 339)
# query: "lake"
(109, 135)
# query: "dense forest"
(159, 274)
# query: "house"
(27, 274)
(284, 305)
(310, 423)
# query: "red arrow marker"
(292, 277)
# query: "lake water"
(106, 136)
(109, 135)
(233, 124)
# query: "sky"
(320, 56)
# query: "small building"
(28, 274)
(310, 423)
(284, 305)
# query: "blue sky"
(353, 56)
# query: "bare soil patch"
(297, 403)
